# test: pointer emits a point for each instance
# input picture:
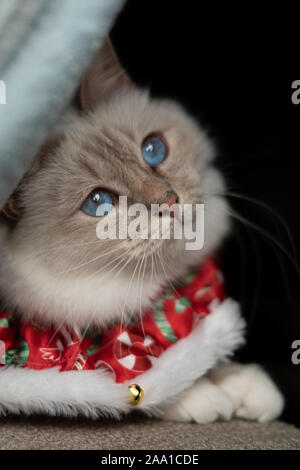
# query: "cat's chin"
(46, 299)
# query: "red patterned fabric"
(127, 351)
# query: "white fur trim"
(214, 340)
(94, 393)
(88, 393)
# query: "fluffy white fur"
(88, 393)
(203, 403)
(230, 390)
(251, 390)
(94, 393)
(76, 300)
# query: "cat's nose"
(170, 200)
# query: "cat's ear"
(103, 78)
(12, 209)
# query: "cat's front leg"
(202, 403)
(252, 391)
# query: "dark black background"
(226, 66)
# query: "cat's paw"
(252, 391)
(202, 403)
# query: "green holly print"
(94, 346)
(17, 356)
(10, 356)
(6, 322)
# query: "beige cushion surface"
(142, 433)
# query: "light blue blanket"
(45, 46)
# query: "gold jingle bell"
(136, 394)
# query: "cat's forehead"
(121, 125)
(98, 144)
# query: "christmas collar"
(126, 351)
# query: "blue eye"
(98, 204)
(154, 150)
